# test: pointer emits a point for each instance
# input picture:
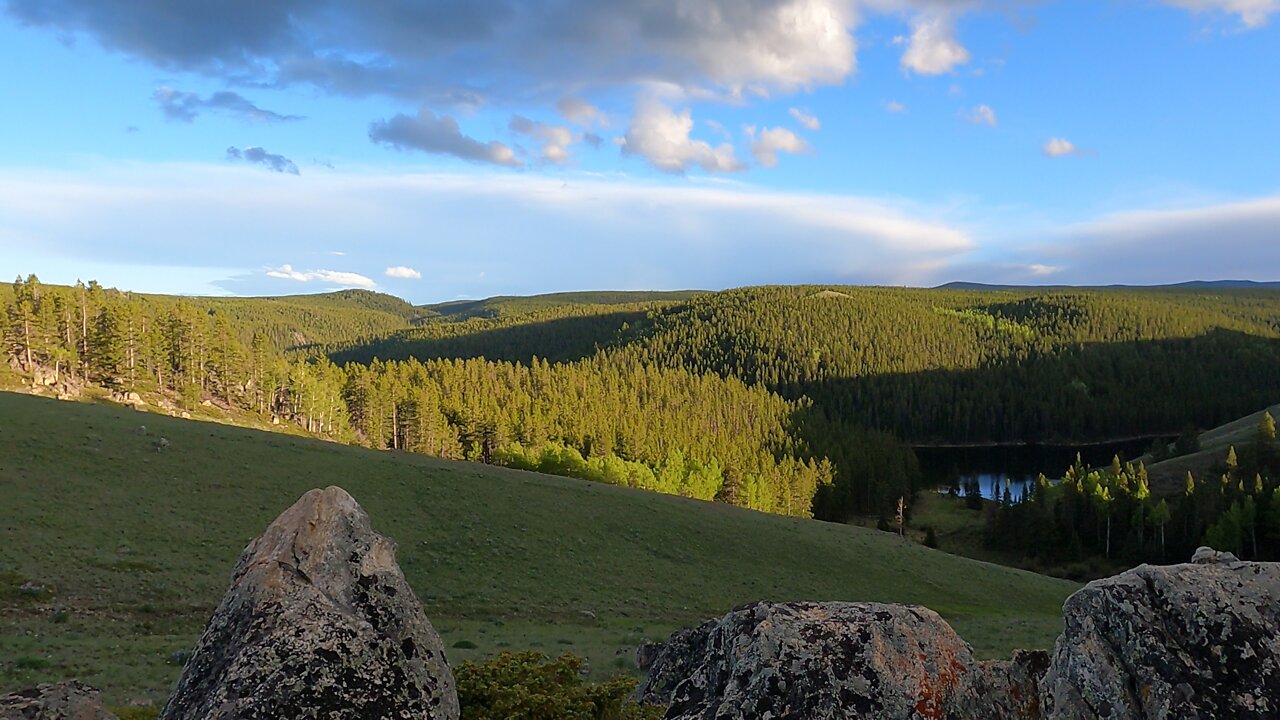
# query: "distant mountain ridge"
(1188, 285)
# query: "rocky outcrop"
(70, 700)
(1011, 688)
(319, 623)
(1200, 640)
(811, 661)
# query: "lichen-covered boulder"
(1010, 688)
(814, 661)
(71, 700)
(1183, 641)
(318, 623)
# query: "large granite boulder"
(71, 700)
(1183, 641)
(813, 661)
(318, 623)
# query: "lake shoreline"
(1055, 444)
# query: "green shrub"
(136, 713)
(530, 686)
(27, 662)
(465, 645)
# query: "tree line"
(663, 429)
(1112, 511)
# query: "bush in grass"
(531, 686)
(930, 538)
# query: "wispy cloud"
(981, 115)
(186, 106)
(806, 119)
(337, 278)
(259, 156)
(669, 234)
(1252, 13)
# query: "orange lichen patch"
(934, 691)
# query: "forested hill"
(784, 399)
(283, 322)
(929, 365)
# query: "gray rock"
(1205, 555)
(1183, 641)
(1011, 688)
(71, 700)
(818, 661)
(318, 623)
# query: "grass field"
(125, 550)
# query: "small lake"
(1015, 466)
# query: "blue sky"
(451, 149)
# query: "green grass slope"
(133, 548)
(1169, 476)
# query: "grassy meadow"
(113, 554)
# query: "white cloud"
(933, 49)
(1234, 240)
(555, 139)
(333, 277)
(1060, 147)
(1252, 13)
(661, 136)
(982, 115)
(806, 119)
(402, 272)
(1041, 270)
(660, 234)
(894, 106)
(766, 145)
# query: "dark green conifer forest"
(796, 400)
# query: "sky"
(450, 149)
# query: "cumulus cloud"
(766, 144)
(933, 49)
(471, 51)
(806, 119)
(1252, 13)
(981, 115)
(332, 277)
(661, 136)
(403, 273)
(894, 106)
(555, 139)
(439, 134)
(1061, 147)
(260, 156)
(186, 106)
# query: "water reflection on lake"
(996, 467)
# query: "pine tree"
(107, 348)
(1267, 428)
